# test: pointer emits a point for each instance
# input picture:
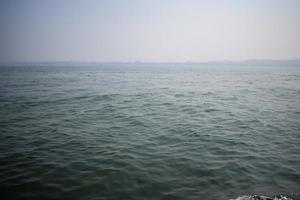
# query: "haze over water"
(149, 131)
(130, 99)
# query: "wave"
(260, 197)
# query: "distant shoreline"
(295, 62)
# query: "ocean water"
(150, 132)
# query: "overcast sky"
(149, 30)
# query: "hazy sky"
(149, 30)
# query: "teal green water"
(149, 132)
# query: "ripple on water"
(104, 133)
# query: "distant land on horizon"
(250, 62)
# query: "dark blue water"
(149, 132)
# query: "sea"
(150, 131)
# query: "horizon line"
(150, 62)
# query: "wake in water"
(257, 197)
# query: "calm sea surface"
(149, 132)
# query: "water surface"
(149, 132)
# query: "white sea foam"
(257, 197)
